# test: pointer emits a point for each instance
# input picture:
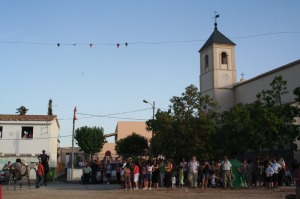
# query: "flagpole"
(73, 135)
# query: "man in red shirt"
(40, 175)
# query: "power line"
(117, 113)
(265, 34)
(125, 118)
(110, 115)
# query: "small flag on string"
(126, 44)
(118, 45)
(217, 16)
(58, 44)
(91, 45)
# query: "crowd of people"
(158, 172)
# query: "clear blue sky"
(160, 61)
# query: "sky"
(107, 83)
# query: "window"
(1, 130)
(27, 132)
(206, 63)
(224, 58)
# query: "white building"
(25, 136)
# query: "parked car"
(4, 177)
(114, 166)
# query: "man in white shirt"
(226, 169)
(276, 167)
(193, 167)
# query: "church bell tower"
(217, 69)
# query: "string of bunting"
(91, 44)
(118, 45)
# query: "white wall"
(246, 92)
(44, 138)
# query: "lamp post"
(153, 107)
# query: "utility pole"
(73, 135)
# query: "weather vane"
(217, 15)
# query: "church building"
(218, 76)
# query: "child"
(269, 173)
(104, 178)
(173, 178)
(213, 180)
(181, 177)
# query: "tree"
(132, 146)
(275, 120)
(50, 107)
(187, 129)
(263, 124)
(90, 139)
(235, 127)
(22, 110)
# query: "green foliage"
(188, 129)
(132, 146)
(52, 175)
(276, 120)
(22, 110)
(234, 135)
(193, 127)
(263, 124)
(90, 139)
(50, 107)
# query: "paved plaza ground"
(62, 190)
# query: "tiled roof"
(27, 117)
(217, 38)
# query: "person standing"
(162, 171)
(136, 174)
(244, 167)
(108, 171)
(40, 175)
(181, 177)
(149, 173)
(296, 175)
(276, 167)
(259, 174)
(87, 171)
(127, 174)
(155, 174)
(226, 168)
(44, 157)
(205, 173)
(281, 172)
(269, 173)
(193, 167)
(45, 162)
(168, 174)
(184, 164)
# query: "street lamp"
(153, 107)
